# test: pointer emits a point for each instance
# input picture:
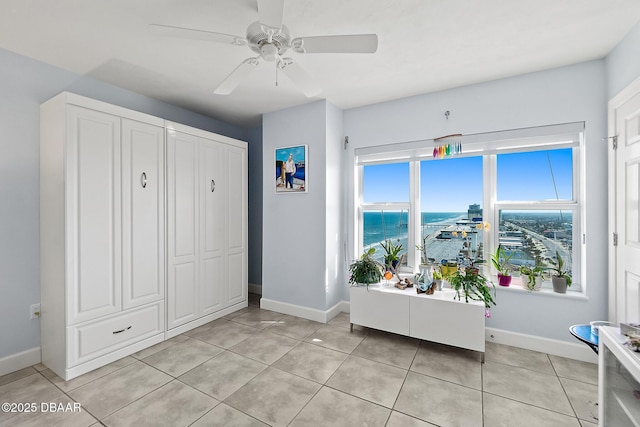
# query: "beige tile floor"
(257, 367)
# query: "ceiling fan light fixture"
(269, 52)
(271, 40)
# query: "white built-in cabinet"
(108, 183)
(440, 317)
(206, 223)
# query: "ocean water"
(545, 227)
(379, 227)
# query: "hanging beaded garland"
(447, 150)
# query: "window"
(385, 209)
(536, 210)
(517, 188)
(451, 208)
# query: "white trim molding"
(570, 350)
(304, 312)
(15, 362)
(255, 289)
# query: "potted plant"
(533, 277)
(437, 277)
(424, 259)
(392, 253)
(365, 270)
(500, 261)
(560, 278)
(473, 285)
(448, 268)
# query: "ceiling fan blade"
(270, 12)
(299, 77)
(356, 43)
(191, 33)
(233, 80)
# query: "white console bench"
(438, 317)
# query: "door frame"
(614, 103)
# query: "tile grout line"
(563, 389)
(482, 366)
(72, 399)
(299, 342)
(404, 381)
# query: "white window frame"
(487, 145)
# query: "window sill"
(515, 286)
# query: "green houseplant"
(365, 270)
(533, 277)
(500, 261)
(392, 253)
(473, 285)
(560, 277)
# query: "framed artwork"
(291, 169)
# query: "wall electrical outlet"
(35, 311)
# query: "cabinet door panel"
(213, 208)
(183, 294)
(182, 220)
(237, 225)
(212, 225)
(211, 285)
(142, 213)
(184, 192)
(93, 221)
(237, 199)
(237, 278)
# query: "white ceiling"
(424, 45)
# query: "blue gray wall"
(293, 244)
(568, 94)
(302, 255)
(571, 93)
(24, 85)
(623, 63)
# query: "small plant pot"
(439, 284)
(559, 284)
(504, 280)
(538, 283)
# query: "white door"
(182, 229)
(236, 160)
(624, 121)
(212, 226)
(93, 214)
(142, 213)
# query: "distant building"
(474, 213)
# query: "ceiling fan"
(270, 39)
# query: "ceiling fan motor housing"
(267, 41)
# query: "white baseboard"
(204, 319)
(255, 289)
(300, 311)
(346, 306)
(576, 351)
(15, 362)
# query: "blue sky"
(452, 184)
(283, 153)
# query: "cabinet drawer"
(93, 339)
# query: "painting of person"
(289, 170)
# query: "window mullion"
(413, 260)
(489, 198)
